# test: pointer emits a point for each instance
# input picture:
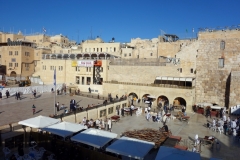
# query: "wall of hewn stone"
(234, 88)
(212, 82)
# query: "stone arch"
(179, 101)
(13, 74)
(86, 56)
(47, 56)
(101, 56)
(59, 56)
(94, 56)
(133, 95)
(72, 56)
(65, 56)
(79, 56)
(53, 56)
(162, 101)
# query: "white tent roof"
(39, 122)
(94, 137)
(64, 129)
(169, 153)
(130, 147)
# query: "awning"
(39, 122)
(167, 153)
(64, 129)
(94, 137)
(131, 147)
(187, 79)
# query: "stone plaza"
(12, 111)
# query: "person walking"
(122, 111)
(89, 89)
(0, 95)
(110, 124)
(18, 95)
(7, 93)
(57, 106)
(34, 108)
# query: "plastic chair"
(6, 151)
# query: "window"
(220, 62)
(93, 49)
(77, 68)
(222, 45)
(13, 60)
(10, 53)
(86, 69)
(100, 49)
(97, 49)
(129, 54)
(10, 64)
(191, 70)
(89, 69)
(110, 110)
(16, 64)
(180, 70)
(26, 65)
(101, 69)
(151, 54)
(61, 67)
(16, 52)
(27, 54)
(114, 49)
(125, 55)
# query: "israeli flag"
(44, 30)
(54, 77)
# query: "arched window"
(151, 54)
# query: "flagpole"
(54, 108)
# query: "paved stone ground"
(12, 110)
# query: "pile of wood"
(150, 135)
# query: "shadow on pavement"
(38, 111)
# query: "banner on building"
(83, 63)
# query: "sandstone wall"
(213, 82)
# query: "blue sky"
(121, 19)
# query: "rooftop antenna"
(91, 34)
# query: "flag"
(44, 30)
(54, 77)
(193, 30)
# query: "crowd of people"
(104, 124)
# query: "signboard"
(83, 63)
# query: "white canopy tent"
(39, 122)
(131, 147)
(64, 129)
(169, 153)
(94, 137)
